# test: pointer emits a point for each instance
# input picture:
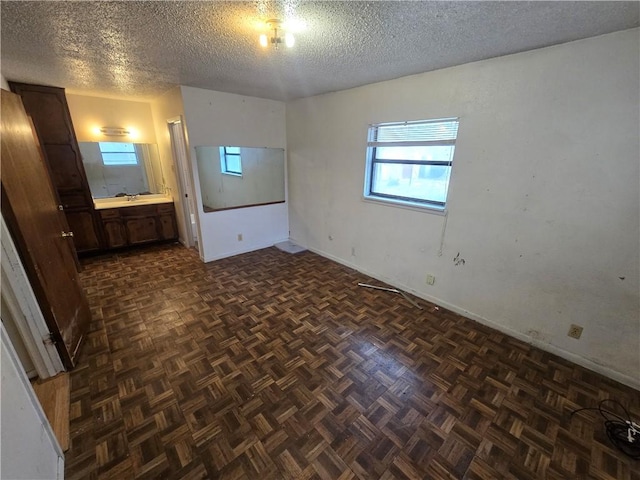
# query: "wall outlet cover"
(575, 331)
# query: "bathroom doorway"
(185, 183)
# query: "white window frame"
(428, 140)
(224, 166)
(107, 163)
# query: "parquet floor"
(276, 366)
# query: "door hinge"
(49, 339)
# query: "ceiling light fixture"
(275, 37)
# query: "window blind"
(436, 132)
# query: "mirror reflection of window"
(117, 153)
(260, 181)
(230, 160)
(114, 168)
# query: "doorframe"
(25, 310)
(15, 380)
(183, 168)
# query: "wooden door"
(37, 225)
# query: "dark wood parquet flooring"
(276, 366)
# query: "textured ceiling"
(142, 49)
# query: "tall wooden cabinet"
(47, 107)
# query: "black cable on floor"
(623, 433)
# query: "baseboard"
(548, 347)
(251, 248)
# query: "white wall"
(89, 114)
(29, 447)
(543, 204)
(216, 118)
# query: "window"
(230, 162)
(410, 162)
(118, 154)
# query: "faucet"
(131, 198)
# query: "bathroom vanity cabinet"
(136, 225)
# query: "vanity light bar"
(114, 131)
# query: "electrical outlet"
(575, 331)
(431, 279)
(239, 237)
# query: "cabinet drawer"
(141, 211)
(110, 213)
(165, 208)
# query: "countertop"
(123, 202)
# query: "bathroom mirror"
(237, 177)
(116, 168)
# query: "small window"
(230, 161)
(118, 154)
(410, 162)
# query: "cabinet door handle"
(67, 234)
